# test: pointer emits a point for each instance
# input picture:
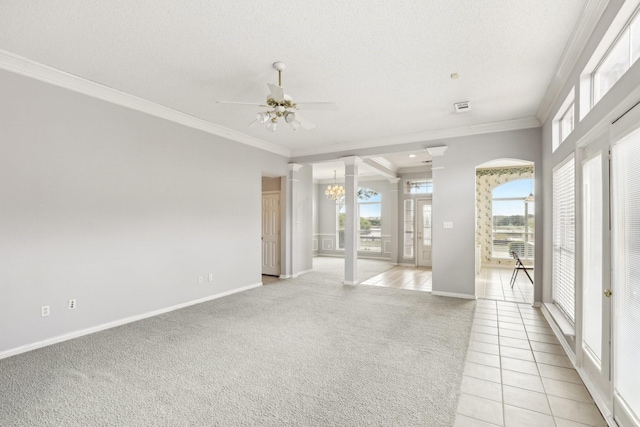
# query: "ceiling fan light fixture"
(295, 125)
(263, 117)
(272, 125)
(289, 116)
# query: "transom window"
(418, 186)
(620, 57)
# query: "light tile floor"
(494, 283)
(399, 277)
(517, 374)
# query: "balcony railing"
(505, 241)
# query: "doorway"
(271, 233)
(505, 230)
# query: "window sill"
(565, 326)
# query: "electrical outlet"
(45, 311)
(211, 277)
(72, 304)
(200, 279)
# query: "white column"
(439, 264)
(393, 202)
(352, 222)
(291, 228)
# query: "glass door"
(625, 221)
(424, 233)
(596, 307)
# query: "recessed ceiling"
(388, 65)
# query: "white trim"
(453, 295)
(315, 244)
(285, 276)
(556, 330)
(507, 125)
(295, 167)
(565, 326)
(301, 273)
(26, 67)
(580, 35)
(350, 283)
(71, 335)
(330, 246)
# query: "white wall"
(454, 194)
(118, 209)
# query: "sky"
(521, 189)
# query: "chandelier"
(335, 192)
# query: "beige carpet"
(302, 352)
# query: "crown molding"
(26, 67)
(507, 125)
(580, 35)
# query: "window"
(566, 122)
(563, 269)
(418, 186)
(513, 220)
(624, 52)
(370, 214)
(408, 229)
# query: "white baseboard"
(302, 273)
(348, 282)
(453, 295)
(65, 337)
(285, 276)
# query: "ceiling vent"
(461, 107)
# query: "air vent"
(461, 107)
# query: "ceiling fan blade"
(277, 92)
(253, 104)
(317, 105)
(305, 123)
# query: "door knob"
(607, 293)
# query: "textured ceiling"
(386, 63)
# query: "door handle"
(607, 293)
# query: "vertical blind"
(563, 281)
(626, 268)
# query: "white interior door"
(596, 267)
(271, 234)
(424, 233)
(625, 221)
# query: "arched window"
(513, 221)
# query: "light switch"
(447, 224)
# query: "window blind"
(563, 280)
(626, 268)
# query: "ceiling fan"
(280, 105)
